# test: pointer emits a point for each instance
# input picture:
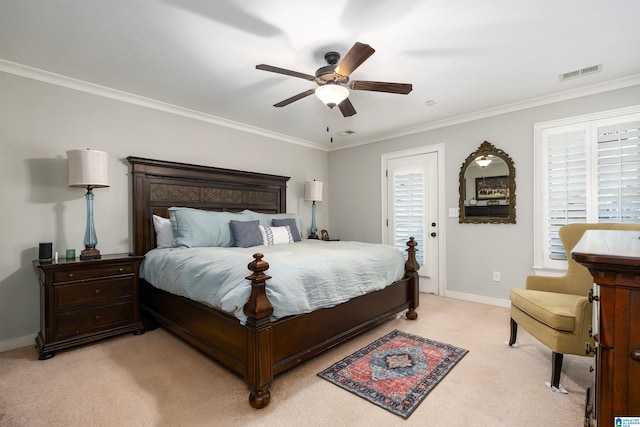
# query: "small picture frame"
(492, 187)
(324, 235)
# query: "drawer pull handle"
(98, 317)
(96, 292)
(635, 355)
(121, 269)
(70, 275)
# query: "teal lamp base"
(314, 230)
(90, 238)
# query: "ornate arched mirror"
(487, 187)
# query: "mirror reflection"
(487, 187)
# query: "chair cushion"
(553, 309)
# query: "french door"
(412, 196)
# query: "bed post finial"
(260, 347)
(412, 263)
(411, 268)
(258, 305)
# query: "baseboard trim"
(478, 298)
(14, 343)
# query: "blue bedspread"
(305, 276)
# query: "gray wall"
(473, 251)
(40, 121)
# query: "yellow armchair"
(556, 310)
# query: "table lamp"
(313, 192)
(88, 169)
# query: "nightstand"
(84, 301)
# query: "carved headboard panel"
(158, 185)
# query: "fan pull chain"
(329, 127)
(330, 136)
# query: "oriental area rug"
(395, 372)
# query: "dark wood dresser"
(497, 211)
(613, 258)
(84, 301)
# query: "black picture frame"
(492, 187)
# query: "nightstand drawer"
(85, 321)
(92, 273)
(93, 291)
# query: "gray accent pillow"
(246, 233)
(265, 219)
(291, 222)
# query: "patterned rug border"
(420, 389)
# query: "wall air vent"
(581, 72)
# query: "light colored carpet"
(157, 380)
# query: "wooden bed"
(261, 348)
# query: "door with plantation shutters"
(590, 174)
(412, 210)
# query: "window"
(587, 170)
(409, 204)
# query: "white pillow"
(276, 235)
(164, 232)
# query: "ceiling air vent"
(581, 72)
(346, 132)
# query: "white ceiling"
(471, 57)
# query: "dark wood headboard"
(158, 185)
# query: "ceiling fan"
(333, 78)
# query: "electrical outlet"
(496, 276)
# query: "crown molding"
(107, 92)
(503, 109)
(118, 95)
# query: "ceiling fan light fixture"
(483, 161)
(332, 94)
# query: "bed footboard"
(304, 336)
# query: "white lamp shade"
(88, 168)
(332, 94)
(313, 191)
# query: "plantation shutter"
(619, 173)
(592, 175)
(409, 207)
(567, 181)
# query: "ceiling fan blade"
(286, 72)
(294, 98)
(401, 88)
(359, 53)
(346, 108)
